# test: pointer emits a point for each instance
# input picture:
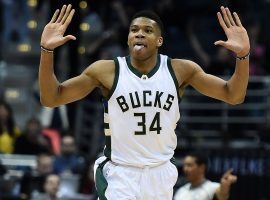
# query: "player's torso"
(204, 192)
(142, 113)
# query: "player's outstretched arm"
(53, 93)
(223, 191)
(238, 42)
(232, 91)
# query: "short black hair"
(200, 158)
(150, 15)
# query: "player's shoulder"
(184, 69)
(211, 185)
(100, 67)
(183, 64)
(182, 190)
(185, 187)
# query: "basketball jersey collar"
(138, 73)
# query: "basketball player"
(141, 108)
(200, 188)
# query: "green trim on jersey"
(173, 161)
(106, 126)
(116, 77)
(169, 64)
(108, 149)
(105, 105)
(101, 182)
(139, 74)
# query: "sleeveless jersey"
(141, 114)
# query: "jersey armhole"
(116, 77)
(169, 64)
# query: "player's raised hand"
(237, 37)
(225, 184)
(53, 33)
(228, 178)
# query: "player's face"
(144, 38)
(191, 169)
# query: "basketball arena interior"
(232, 136)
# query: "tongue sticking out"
(138, 47)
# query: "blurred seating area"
(50, 151)
(25, 176)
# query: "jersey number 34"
(155, 124)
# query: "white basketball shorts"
(118, 182)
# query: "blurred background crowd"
(50, 152)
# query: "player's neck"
(51, 196)
(146, 65)
(198, 182)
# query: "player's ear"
(160, 41)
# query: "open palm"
(237, 37)
(53, 33)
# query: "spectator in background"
(68, 162)
(32, 141)
(32, 182)
(200, 188)
(51, 188)
(8, 184)
(8, 130)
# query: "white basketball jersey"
(141, 114)
(205, 191)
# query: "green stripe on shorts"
(101, 182)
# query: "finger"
(69, 18)
(233, 178)
(61, 13)
(221, 43)
(237, 19)
(228, 172)
(230, 16)
(68, 37)
(54, 17)
(221, 21)
(66, 14)
(225, 17)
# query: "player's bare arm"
(226, 181)
(53, 93)
(232, 91)
(99, 74)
